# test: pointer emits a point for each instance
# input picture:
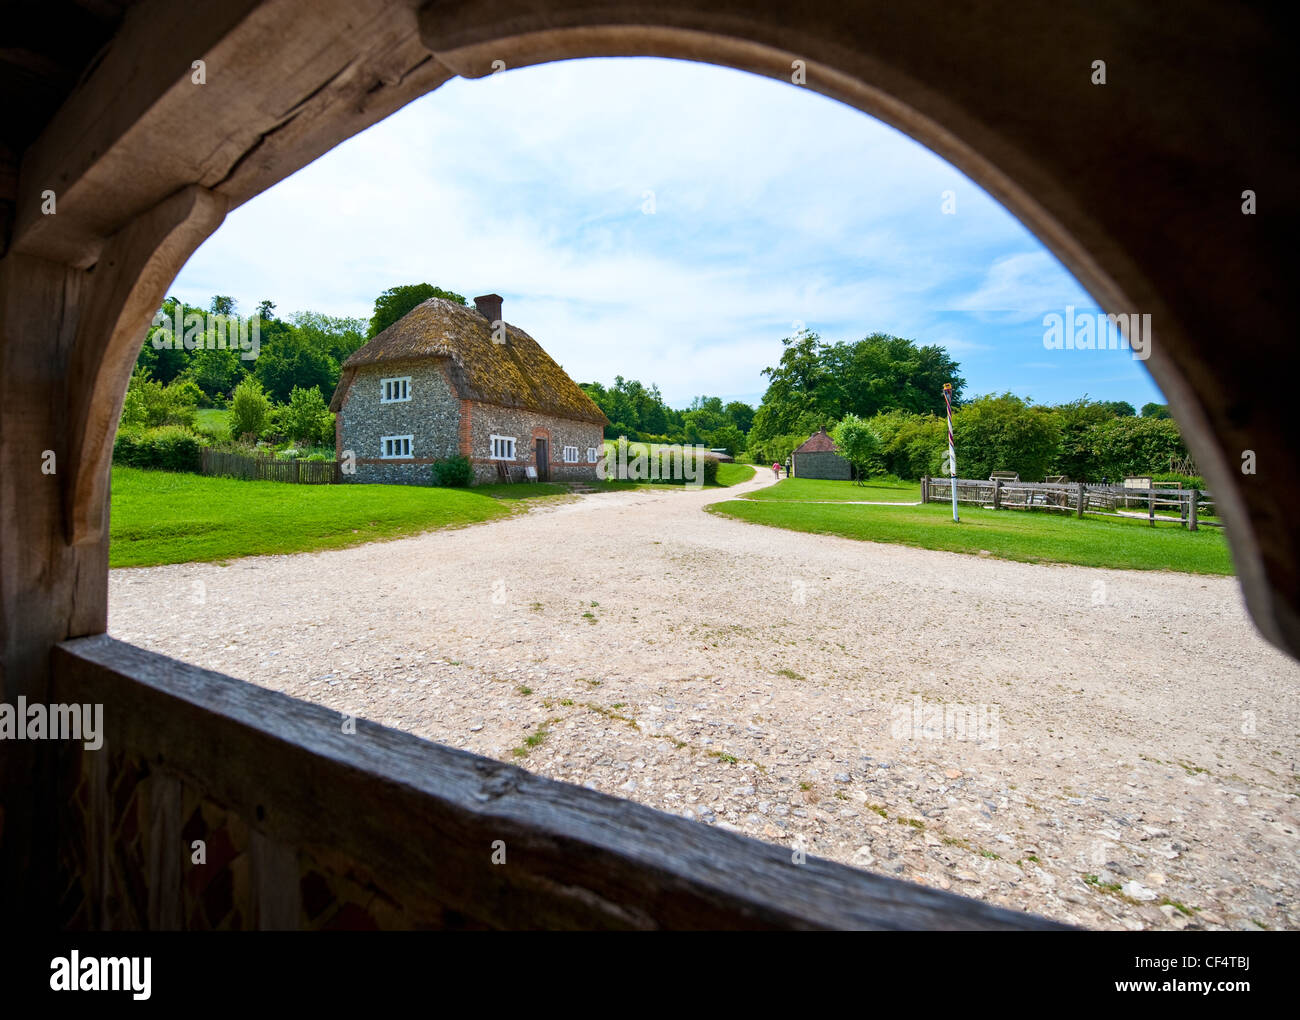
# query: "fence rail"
(266, 469)
(1186, 507)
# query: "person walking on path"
(777, 469)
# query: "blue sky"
(669, 222)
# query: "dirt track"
(1119, 747)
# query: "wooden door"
(543, 460)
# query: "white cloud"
(772, 204)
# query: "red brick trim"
(466, 440)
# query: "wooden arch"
(1136, 185)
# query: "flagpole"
(952, 451)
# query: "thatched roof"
(818, 442)
(515, 374)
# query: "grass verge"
(1029, 537)
(161, 517)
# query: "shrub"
(1188, 481)
(317, 457)
(169, 448)
(306, 417)
(911, 445)
(249, 408)
(150, 404)
(1131, 446)
(1005, 433)
(453, 471)
(272, 426)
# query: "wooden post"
(1191, 509)
(1083, 500)
(925, 488)
(997, 494)
(1151, 507)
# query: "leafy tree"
(858, 442)
(222, 304)
(1154, 410)
(249, 408)
(215, 371)
(336, 336)
(741, 415)
(815, 384)
(801, 391)
(1119, 408)
(307, 418)
(166, 364)
(290, 359)
(395, 302)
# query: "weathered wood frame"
(574, 858)
(1146, 214)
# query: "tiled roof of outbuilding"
(818, 442)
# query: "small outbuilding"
(819, 457)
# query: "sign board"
(1137, 482)
(530, 472)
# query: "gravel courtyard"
(1110, 748)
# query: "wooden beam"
(286, 81)
(421, 819)
(128, 286)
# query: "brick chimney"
(489, 306)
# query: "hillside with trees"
(884, 395)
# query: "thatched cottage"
(446, 379)
(819, 457)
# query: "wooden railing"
(1191, 506)
(305, 818)
(267, 469)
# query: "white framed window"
(570, 455)
(395, 447)
(394, 391)
(591, 455)
(503, 447)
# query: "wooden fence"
(267, 469)
(1186, 507)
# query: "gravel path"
(1118, 748)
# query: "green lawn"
(1031, 537)
(214, 421)
(734, 474)
(876, 490)
(160, 517)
